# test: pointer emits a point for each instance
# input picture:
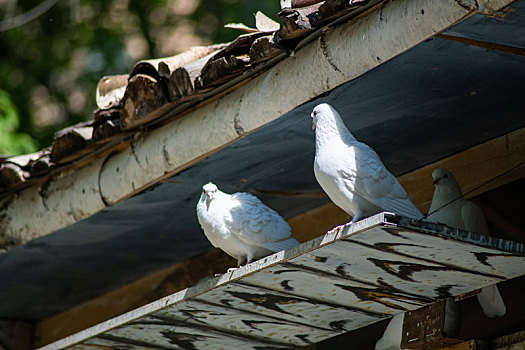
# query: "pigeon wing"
(490, 298)
(370, 179)
(473, 218)
(256, 224)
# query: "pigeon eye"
(315, 113)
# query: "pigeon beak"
(436, 181)
(313, 123)
(209, 196)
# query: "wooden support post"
(424, 328)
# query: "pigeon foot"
(335, 229)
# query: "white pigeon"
(351, 173)
(449, 207)
(241, 225)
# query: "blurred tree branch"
(13, 22)
(52, 55)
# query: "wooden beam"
(424, 328)
(473, 168)
(341, 53)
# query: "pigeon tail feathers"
(280, 245)
(491, 301)
(391, 339)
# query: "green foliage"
(51, 65)
(11, 141)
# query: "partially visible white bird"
(392, 336)
(351, 173)
(449, 207)
(241, 225)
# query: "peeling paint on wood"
(197, 311)
(342, 281)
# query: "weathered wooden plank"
(366, 297)
(197, 311)
(439, 230)
(278, 291)
(105, 343)
(448, 251)
(303, 310)
(399, 274)
(177, 335)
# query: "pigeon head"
(445, 180)
(321, 112)
(326, 121)
(209, 190)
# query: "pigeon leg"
(335, 229)
(241, 261)
(355, 219)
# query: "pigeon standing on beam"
(241, 225)
(351, 173)
(449, 207)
